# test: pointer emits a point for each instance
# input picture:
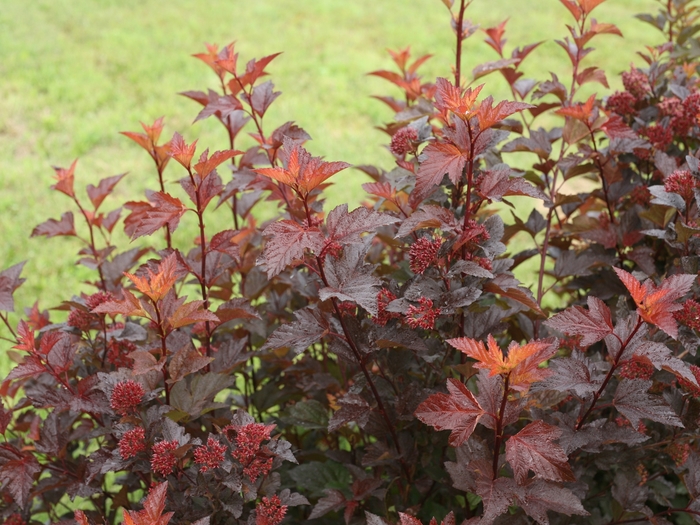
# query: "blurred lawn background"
(74, 73)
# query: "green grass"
(75, 72)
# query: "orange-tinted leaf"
(157, 285)
(490, 358)
(489, 115)
(153, 507)
(580, 112)
(592, 324)
(458, 411)
(65, 178)
(187, 360)
(589, 5)
(190, 313)
(207, 164)
(301, 171)
(25, 337)
(592, 74)
(533, 448)
(181, 151)
(495, 37)
(449, 97)
(380, 189)
(573, 8)
(148, 217)
(129, 306)
(656, 304)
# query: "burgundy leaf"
(17, 477)
(286, 242)
(345, 228)
(310, 326)
(635, 403)
(333, 500)
(541, 496)
(54, 228)
(593, 324)
(103, 189)
(353, 408)
(9, 281)
(458, 411)
(533, 448)
(350, 279)
(148, 217)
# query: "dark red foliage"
(427, 357)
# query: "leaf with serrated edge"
(458, 411)
(593, 324)
(634, 402)
(309, 327)
(533, 448)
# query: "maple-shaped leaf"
(489, 115)
(155, 285)
(9, 281)
(190, 313)
(571, 374)
(350, 279)
(263, 95)
(205, 165)
(458, 411)
(309, 327)
(285, 242)
(54, 228)
(181, 151)
(129, 306)
(662, 358)
(521, 364)
(98, 193)
(634, 402)
(153, 507)
(30, 366)
(346, 228)
(580, 112)
(301, 171)
(17, 477)
(534, 448)
(656, 304)
(148, 217)
(592, 324)
(449, 97)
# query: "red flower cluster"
(384, 297)
(17, 519)
(126, 396)
(636, 368)
(132, 442)
(402, 141)
(118, 353)
(98, 298)
(681, 182)
(422, 316)
(621, 103)
(636, 83)
(659, 136)
(248, 451)
(83, 320)
(163, 461)
(689, 315)
(685, 116)
(423, 253)
(270, 511)
(640, 195)
(687, 385)
(209, 456)
(679, 452)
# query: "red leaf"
(634, 402)
(148, 217)
(592, 74)
(656, 304)
(542, 496)
(263, 96)
(589, 5)
(153, 507)
(495, 37)
(129, 306)
(9, 281)
(181, 151)
(237, 308)
(593, 324)
(54, 228)
(157, 284)
(573, 8)
(286, 242)
(346, 228)
(310, 326)
(65, 178)
(489, 115)
(489, 67)
(5, 418)
(301, 171)
(580, 112)
(104, 188)
(206, 164)
(458, 411)
(440, 159)
(533, 448)
(17, 477)
(29, 367)
(187, 360)
(190, 313)
(449, 97)
(254, 70)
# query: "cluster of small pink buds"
(679, 452)
(209, 456)
(689, 315)
(682, 183)
(118, 353)
(422, 316)
(249, 439)
(687, 385)
(686, 115)
(474, 232)
(132, 442)
(660, 136)
(81, 319)
(270, 511)
(423, 253)
(384, 297)
(126, 396)
(643, 474)
(640, 195)
(402, 141)
(163, 460)
(636, 83)
(17, 519)
(636, 368)
(621, 103)
(98, 298)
